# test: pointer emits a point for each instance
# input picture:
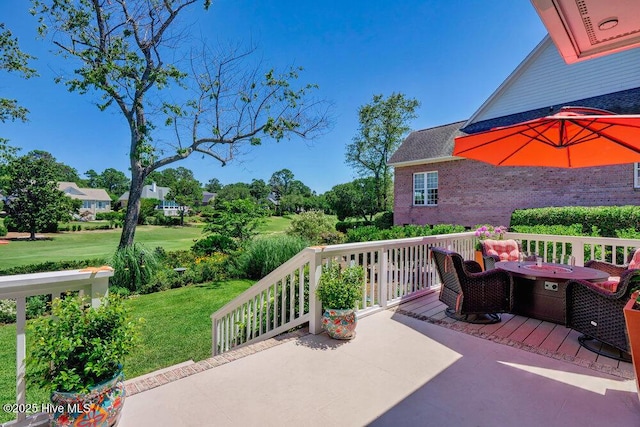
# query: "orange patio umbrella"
(575, 137)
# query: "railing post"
(99, 289)
(577, 250)
(315, 306)
(21, 351)
(383, 268)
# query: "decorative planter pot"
(632, 319)
(478, 258)
(340, 324)
(100, 407)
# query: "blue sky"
(449, 54)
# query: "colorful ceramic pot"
(340, 324)
(100, 407)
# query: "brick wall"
(471, 192)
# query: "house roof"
(150, 192)
(72, 190)
(208, 196)
(432, 143)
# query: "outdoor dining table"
(540, 291)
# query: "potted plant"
(340, 290)
(77, 353)
(632, 320)
(484, 232)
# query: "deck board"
(546, 336)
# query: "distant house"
(153, 191)
(431, 186)
(208, 197)
(94, 200)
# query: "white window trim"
(413, 189)
(636, 175)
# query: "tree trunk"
(133, 209)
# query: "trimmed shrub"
(53, 266)
(607, 218)
(3, 230)
(264, 254)
(314, 227)
(344, 226)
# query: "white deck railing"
(395, 271)
(19, 287)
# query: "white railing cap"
(42, 283)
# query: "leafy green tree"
(259, 190)
(237, 219)
(34, 202)
(383, 124)
(356, 199)
(213, 186)
(60, 171)
(12, 60)
(130, 52)
(112, 180)
(235, 191)
(185, 190)
(280, 182)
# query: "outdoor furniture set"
(587, 299)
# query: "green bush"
(264, 254)
(340, 289)
(344, 226)
(214, 243)
(53, 266)
(557, 230)
(3, 229)
(314, 227)
(607, 218)
(110, 216)
(134, 267)
(383, 220)
(371, 233)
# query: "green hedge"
(53, 266)
(370, 232)
(607, 219)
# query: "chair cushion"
(635, 261)
(609, 285)
(506, 250)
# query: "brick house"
(433, 187)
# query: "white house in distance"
(153, 191)
(94, 200)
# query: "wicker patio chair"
(472, 295)
(595, 309)
(499, 250)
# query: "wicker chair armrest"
(493, 276)
(594, 288)
(613, 270)
(490, 261)
(472, 266)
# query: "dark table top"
(552, 271)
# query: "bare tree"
(216, 103)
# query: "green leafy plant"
(340, 288)
(134, 267)
(80, 346)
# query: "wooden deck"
(542, 337)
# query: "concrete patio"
(399, 371)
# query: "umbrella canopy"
(575, 137)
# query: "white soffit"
(583, 29)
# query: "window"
(636, 175)
(102, 205)
(425, 189)
(86, 204)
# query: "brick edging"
(599, 367)
(135, 386)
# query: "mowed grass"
(177, 328)
(80, 245)
(93, 244)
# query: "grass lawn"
(94, 244)
(177, 328)
(275, 224)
